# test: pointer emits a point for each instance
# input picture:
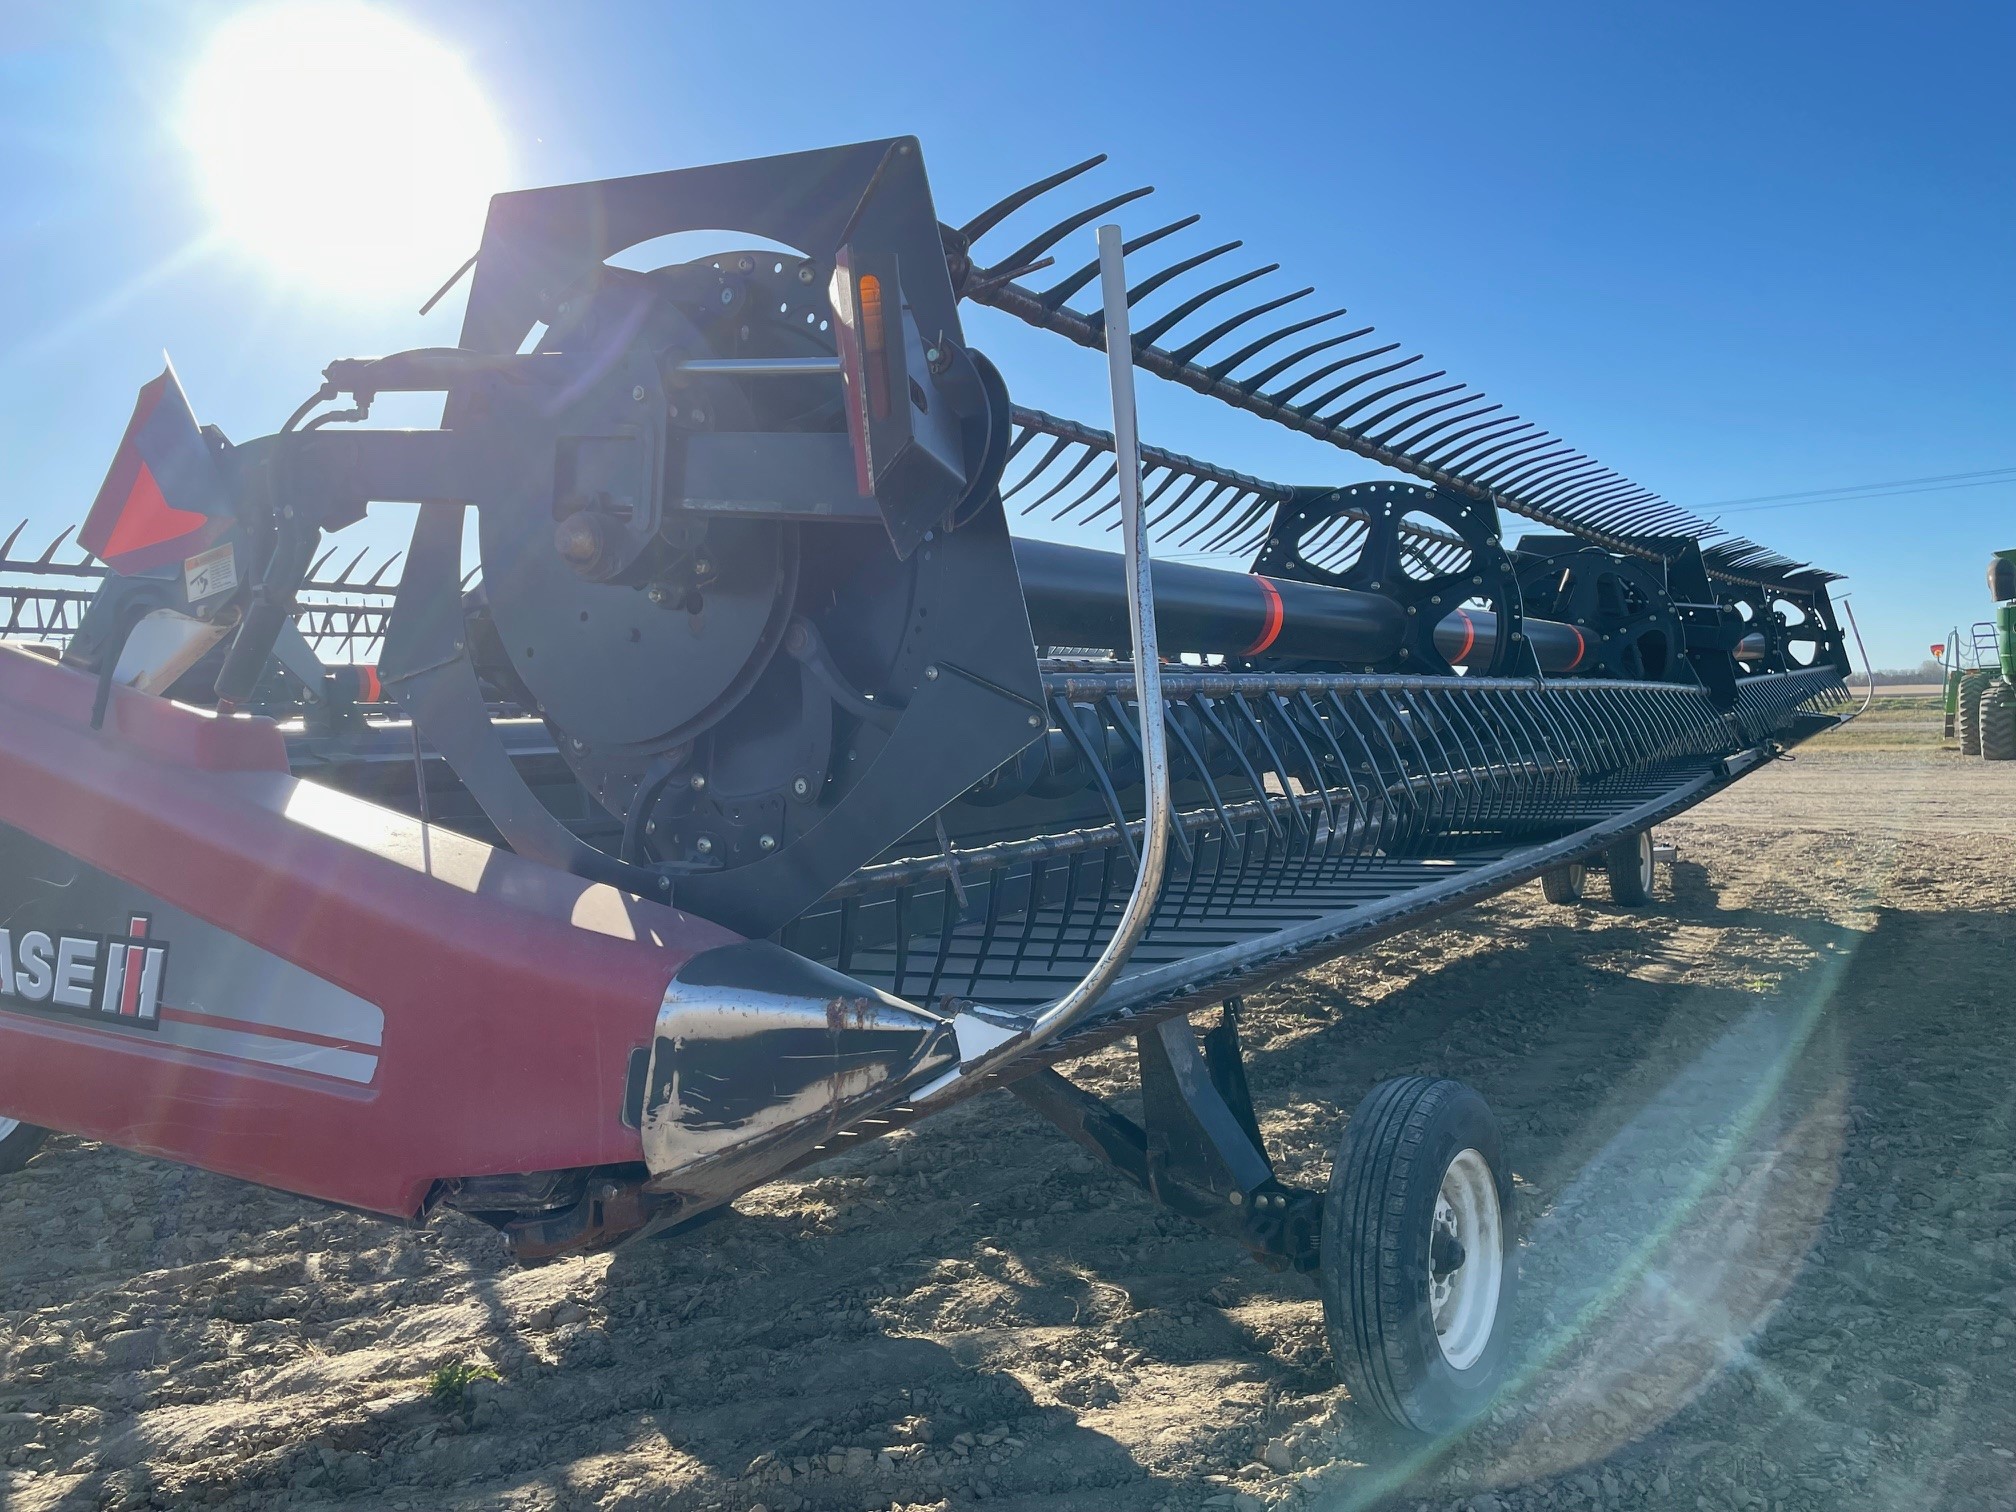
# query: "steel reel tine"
(49, 555)
(1148, 499)
(1565, 469)
(1451, 435)
(387, 567)
(1148, 285)
(1522, 449)
(1197, 763)
(1447, 454)
(1131, 738)
(1219, 370)
(1049, 238)
(1613, 495)
(1057, 447)
(1197, 481)
(1154, 330)
(1001, 209)
(1603, 489)
(1340, 416)
(1371, 374)
(1057, 293)
(1245, 507)
(1110, 475)
(1428, 454)
(1518, 480)
(1151, 494)
(343, 577)
(1414, 437)
(1223, 541)
(1393, 409)
(1067, 716)
(1225, 328)
(1505, 454)
(1652, 512)
(1240, 501)
(1175, 475)
(1572, 471)
(1206, 502)
(1140, 291)
(1065, 482)
(1317, 375)
(1451, 454)
(7, 546)
(1029, 433)
(1273, 370)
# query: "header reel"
(752, 638)
(744, 552)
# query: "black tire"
(1379, 1254)
(18, 1144)
(1998, 722)
(1973, 684)
(1563, 884)
(1630, 865)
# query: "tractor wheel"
(1972, 685)
(18, 1144)
(1563, 884)
(1630, 865)
(1997, 721)
(1417, 1267)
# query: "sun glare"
(342, 147)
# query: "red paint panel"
(507, 1028)
(147, 519)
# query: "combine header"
(757, 791)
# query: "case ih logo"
(90, 976)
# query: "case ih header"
(767, 794)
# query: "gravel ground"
(1768, 1216)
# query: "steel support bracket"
(1198, 1150)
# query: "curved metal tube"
(995, 1043)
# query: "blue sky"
(1732, 250)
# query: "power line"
(1890, 493)
(1852, 488)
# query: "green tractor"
(1981, 700)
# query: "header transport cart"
(762, 792)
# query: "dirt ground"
(1767, 1178)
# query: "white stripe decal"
(322, 1060)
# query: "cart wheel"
(1629, 863)
(1416, 1270)
(1563, 884)
(18, 1143)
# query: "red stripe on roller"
(1272, 628)
(1581, 650)
(1469, 637)
(371, 690)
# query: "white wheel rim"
(8, 1126)
(1645, 859)
(1464, 1298)
(1576, 872)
